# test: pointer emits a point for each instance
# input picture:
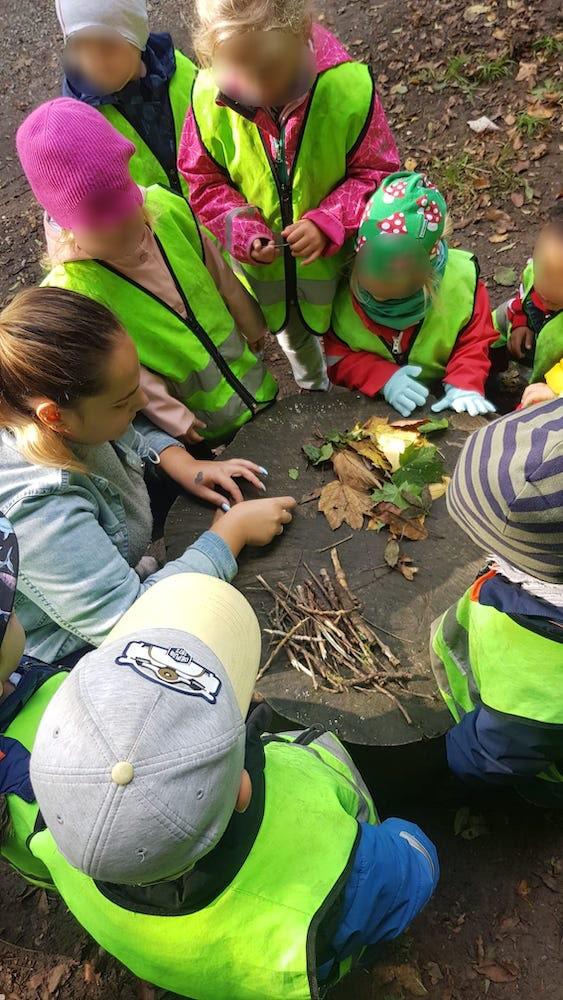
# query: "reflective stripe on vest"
(548, 348)
(23, 815)
(205, 359)
(481, 655)
(144, 167)
(432, 346)
(256, 940)
(338, 112)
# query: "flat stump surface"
(447, 563)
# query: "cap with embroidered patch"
(137, 761)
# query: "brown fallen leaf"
(407, 568)
(523, 889)
(501, 220)
(527, 73)
(538, 151)
(498, 237)
(57, 976)
(352, 471)
(517, 199)
(391, 554)
(540, 111)
(90, 975)
(497, 972)
(369, 450)
(400, 526)
(434, 972)
(508, 924)
(340, 503)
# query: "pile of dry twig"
(319, 625)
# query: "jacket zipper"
(283, 187)
(192, 324)
(396, 347)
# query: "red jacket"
(214, 200)
(467, 368)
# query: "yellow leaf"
(437, 490)
(394, 442)
(352, 471)
(339, 503)
(370, 450)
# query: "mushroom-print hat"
(403, 222)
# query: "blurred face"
(548, 268)
(107, 415)
(107, 62)
(399, 284)
(113, 241)
(261, 68)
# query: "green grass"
(456, 176)
(549, 45)
(488, 70)
(470, 71)
(529, 125)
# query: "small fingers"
(312, 258)
(251, 478)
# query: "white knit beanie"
(127, 18)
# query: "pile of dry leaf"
(387, 475)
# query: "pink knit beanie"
(77, 165)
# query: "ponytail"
(54, 344)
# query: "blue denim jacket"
(75, 581)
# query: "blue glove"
(403, 392)
(463, 401)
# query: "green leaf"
(318, 455)
(505, 276)
(293, 473)
(419, 466)
(434, 425)
(390, 493)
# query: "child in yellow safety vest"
(285, 141)
(414, 311)
(497, 653)
(140, 252)
(135, 78)
(531, 323)
(214, 859)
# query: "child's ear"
(244, 793)
(49, 414)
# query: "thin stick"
(394, 635)
(334, 544)
(279, 646)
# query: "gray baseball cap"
(137, 761)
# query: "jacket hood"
(160, 60)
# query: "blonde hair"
(54, 344)
(220, 20)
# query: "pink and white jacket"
(215, 201)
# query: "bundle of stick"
(319, 625)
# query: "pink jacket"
(215, 201)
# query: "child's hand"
(192, 435)
(403, 392)
(521, 340)
(538, 392)
(255, 522)
(463, 401)
(205, 477)
(263, 251)
(305, 240)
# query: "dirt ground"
(495, 926)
